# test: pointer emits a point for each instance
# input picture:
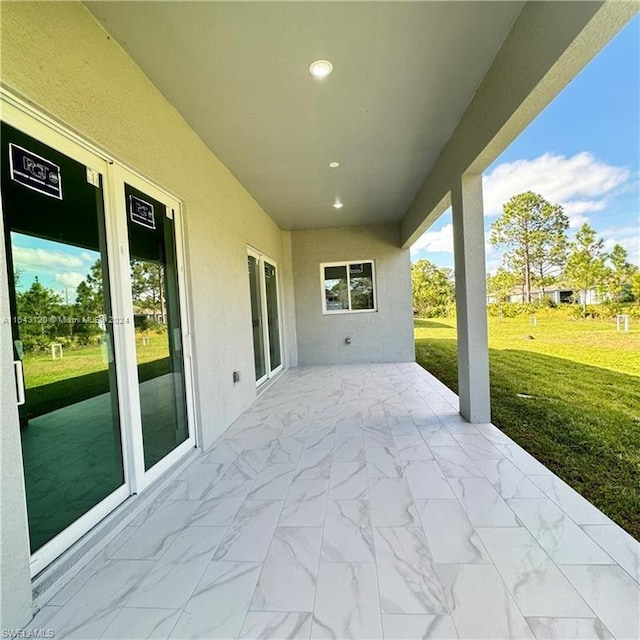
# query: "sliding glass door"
(257, 318)
(62, 321)
(273, 316)
(99, 330)
(265, 315)
(155, 307)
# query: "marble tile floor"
(353, 502)
(72, 460)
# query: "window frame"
(347, 264)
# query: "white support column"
(471, 298)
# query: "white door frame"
(23, 117)
(262, 258)
(67, 145)
(142, 478)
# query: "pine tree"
(534, 231)
(618, 276)
(586, 267)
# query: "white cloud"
(576, 211)
(492, 263)
(578, 207)
(27, 258)
(580, 183)
(87, 256)
(577, 220)
(626, 237)
(70, 279)
(440, 241)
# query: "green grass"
(583, 417)
(40, 369)
(82, 373)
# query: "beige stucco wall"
(382, 336)
(58, 57)
(94, 87)
(289, 312)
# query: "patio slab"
(353, 502)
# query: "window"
(348, 287)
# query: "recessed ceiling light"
(334, 165)
(321, 68)
(337, 204)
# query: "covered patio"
(323, 484)
(354, 502)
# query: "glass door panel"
(157, 322)
(62, 333)
(255, 290)
(273, 319)
(263, 289)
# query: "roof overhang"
(420, 93)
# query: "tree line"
(538, 256)
(45, 316)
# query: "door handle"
(20, 381)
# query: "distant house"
(558, 295)
(144, 315)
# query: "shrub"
(512, 309)
(35, 343)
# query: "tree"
(90, 292)
(634, 286)
(94, 278)
(38, 308)
(361, 293)
(432, 287)
(147, 284)
(618, 277)
(586, 267)
(502, 284)
(17, 275)
(534, 231)
(90, 300)
(37, 304)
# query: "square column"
(471, 298)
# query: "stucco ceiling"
(238, 72)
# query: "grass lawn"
(583, 417)
(40, 369)
(83, 373)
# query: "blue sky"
(60, 267)
(582, 151)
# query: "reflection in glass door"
(157, 322)
(255, 290)
(265, 315)
(273, 318)
(62, 326)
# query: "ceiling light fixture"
(334, 165)
(337, 204)
(320, 68)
